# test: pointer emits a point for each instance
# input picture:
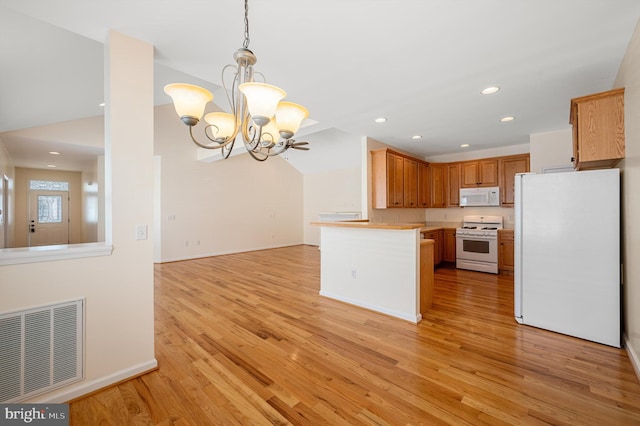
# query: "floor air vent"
(40, 350)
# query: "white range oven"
(477, 243)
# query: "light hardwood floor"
(246, 339)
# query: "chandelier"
(265, 121)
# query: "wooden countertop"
(363, 224)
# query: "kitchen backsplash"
(451, 216)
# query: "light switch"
(141, 232)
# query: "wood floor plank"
(245, 339)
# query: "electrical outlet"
(354, 274)
(141, 232)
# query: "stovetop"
(480, 225)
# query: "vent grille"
(40, 350)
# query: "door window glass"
(48, 185)
(49, 209)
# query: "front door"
(48, 218)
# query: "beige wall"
(93, 202)
(329, 191)
(226, 206)
(629, 78)
(551, 150)
(118, 288)
(8, 192)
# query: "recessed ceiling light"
(52, 166)
(381, 120)
(507, 118)
(101, 105)
(416, 137)
(490, 90)
(464, 145)
(54, 153)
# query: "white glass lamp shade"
(224, 124)
(289, 116)
(270, 133)
(189, 100)
(262, 100)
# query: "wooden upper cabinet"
(395, 179)
(438, 185)
(598, 129)
(479, 173)
(509, 167)
(410, 177)
(424, 185)
(453, 185)
(387, 179)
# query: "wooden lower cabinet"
(449, 252)
(506, 246)
(438, 240)
(426, 275)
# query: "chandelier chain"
(246, 24)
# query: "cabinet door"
(410, 198)
(598, 123)
(488, 173)
(506, 250)
(449, 252)
(438, 185)
(453, 187)
(437, 238)
(479, 173)
(439, 246)
(469, 174)
(395, 180)
(424, 185)
(509, 167)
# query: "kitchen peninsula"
(385, 267)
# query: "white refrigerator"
(567, 253)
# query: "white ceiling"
(419, 63)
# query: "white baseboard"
(404, 316)
(222, 253)
(633, 356)
(85, 387)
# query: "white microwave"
(480, 197)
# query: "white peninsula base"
(375, 266)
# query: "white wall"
(329, 191)
(226, 206)
(629, 78)
(119, 334)
(465, 155)
(551, 150)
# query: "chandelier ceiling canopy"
(266, 122)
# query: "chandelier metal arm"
(220, 144)
(261, 157)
